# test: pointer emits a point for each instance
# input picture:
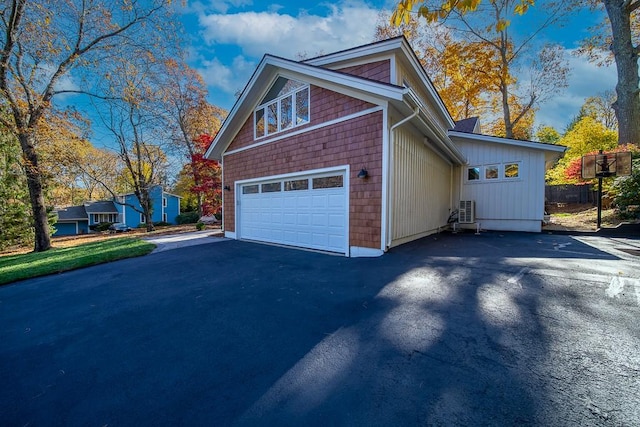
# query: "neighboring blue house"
(166, 207)
(81, 219)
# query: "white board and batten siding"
(421, 188)
(508, 204)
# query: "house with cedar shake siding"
(354, 152)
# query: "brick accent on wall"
(356, 142)
(380, 71)
(325, 105)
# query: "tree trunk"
(196, 183)
(627, 106)
(504, 85)
(36, 194)
(147, 208)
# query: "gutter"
(390, 181)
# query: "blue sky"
(229, 37)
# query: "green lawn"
(18, 267)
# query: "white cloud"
(586, 79)
(256, 33)
(253, 34)
(227, 78)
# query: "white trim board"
(304, 130)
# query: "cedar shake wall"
(379, 71)
(356, 142)
(325, 105)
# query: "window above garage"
(285, 106)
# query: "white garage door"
(305, 211)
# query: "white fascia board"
(356, 53)
(216, 148)
(166, 193)
(444, 112)
(345, 80)
(507, 141)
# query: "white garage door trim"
(322, 221)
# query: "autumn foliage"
(207, 177)
(573, 172)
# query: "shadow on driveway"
(447, 330)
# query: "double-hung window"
(284, 107)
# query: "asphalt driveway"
(497, 329)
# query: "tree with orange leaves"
(490, 29)
(43, 42)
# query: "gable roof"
(164, 193)
(396, 47)
(72, 213)
(467, 125)
(102, 206)
(272, 67)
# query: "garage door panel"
(320, 219)
(276, 218)
(335, 220)
(312, 218)
(276, 203)
(303, 219)
(335, 201)
(336, 241)
(289, 218)
(303, 202)
(320, 201)
(321, 239)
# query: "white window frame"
(143, 220)
(278, 101)
(486, 169)
(164, 217)
(511, 178)
(164, 202)
(501, 173)
(466, 173)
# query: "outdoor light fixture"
(363, 173)
(227, 188)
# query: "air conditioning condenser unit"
(467, 212)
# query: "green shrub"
(627, 198)
(103, 226)
(187, 218)
(161, 224)
(200, 226)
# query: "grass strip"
(57, 260)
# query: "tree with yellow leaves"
(587, 135)
(546, 74)
(460, 70)
(44, 42)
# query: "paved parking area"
(496, 329)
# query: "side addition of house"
(354, 152)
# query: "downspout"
(391, 182)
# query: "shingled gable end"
(354, 152)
